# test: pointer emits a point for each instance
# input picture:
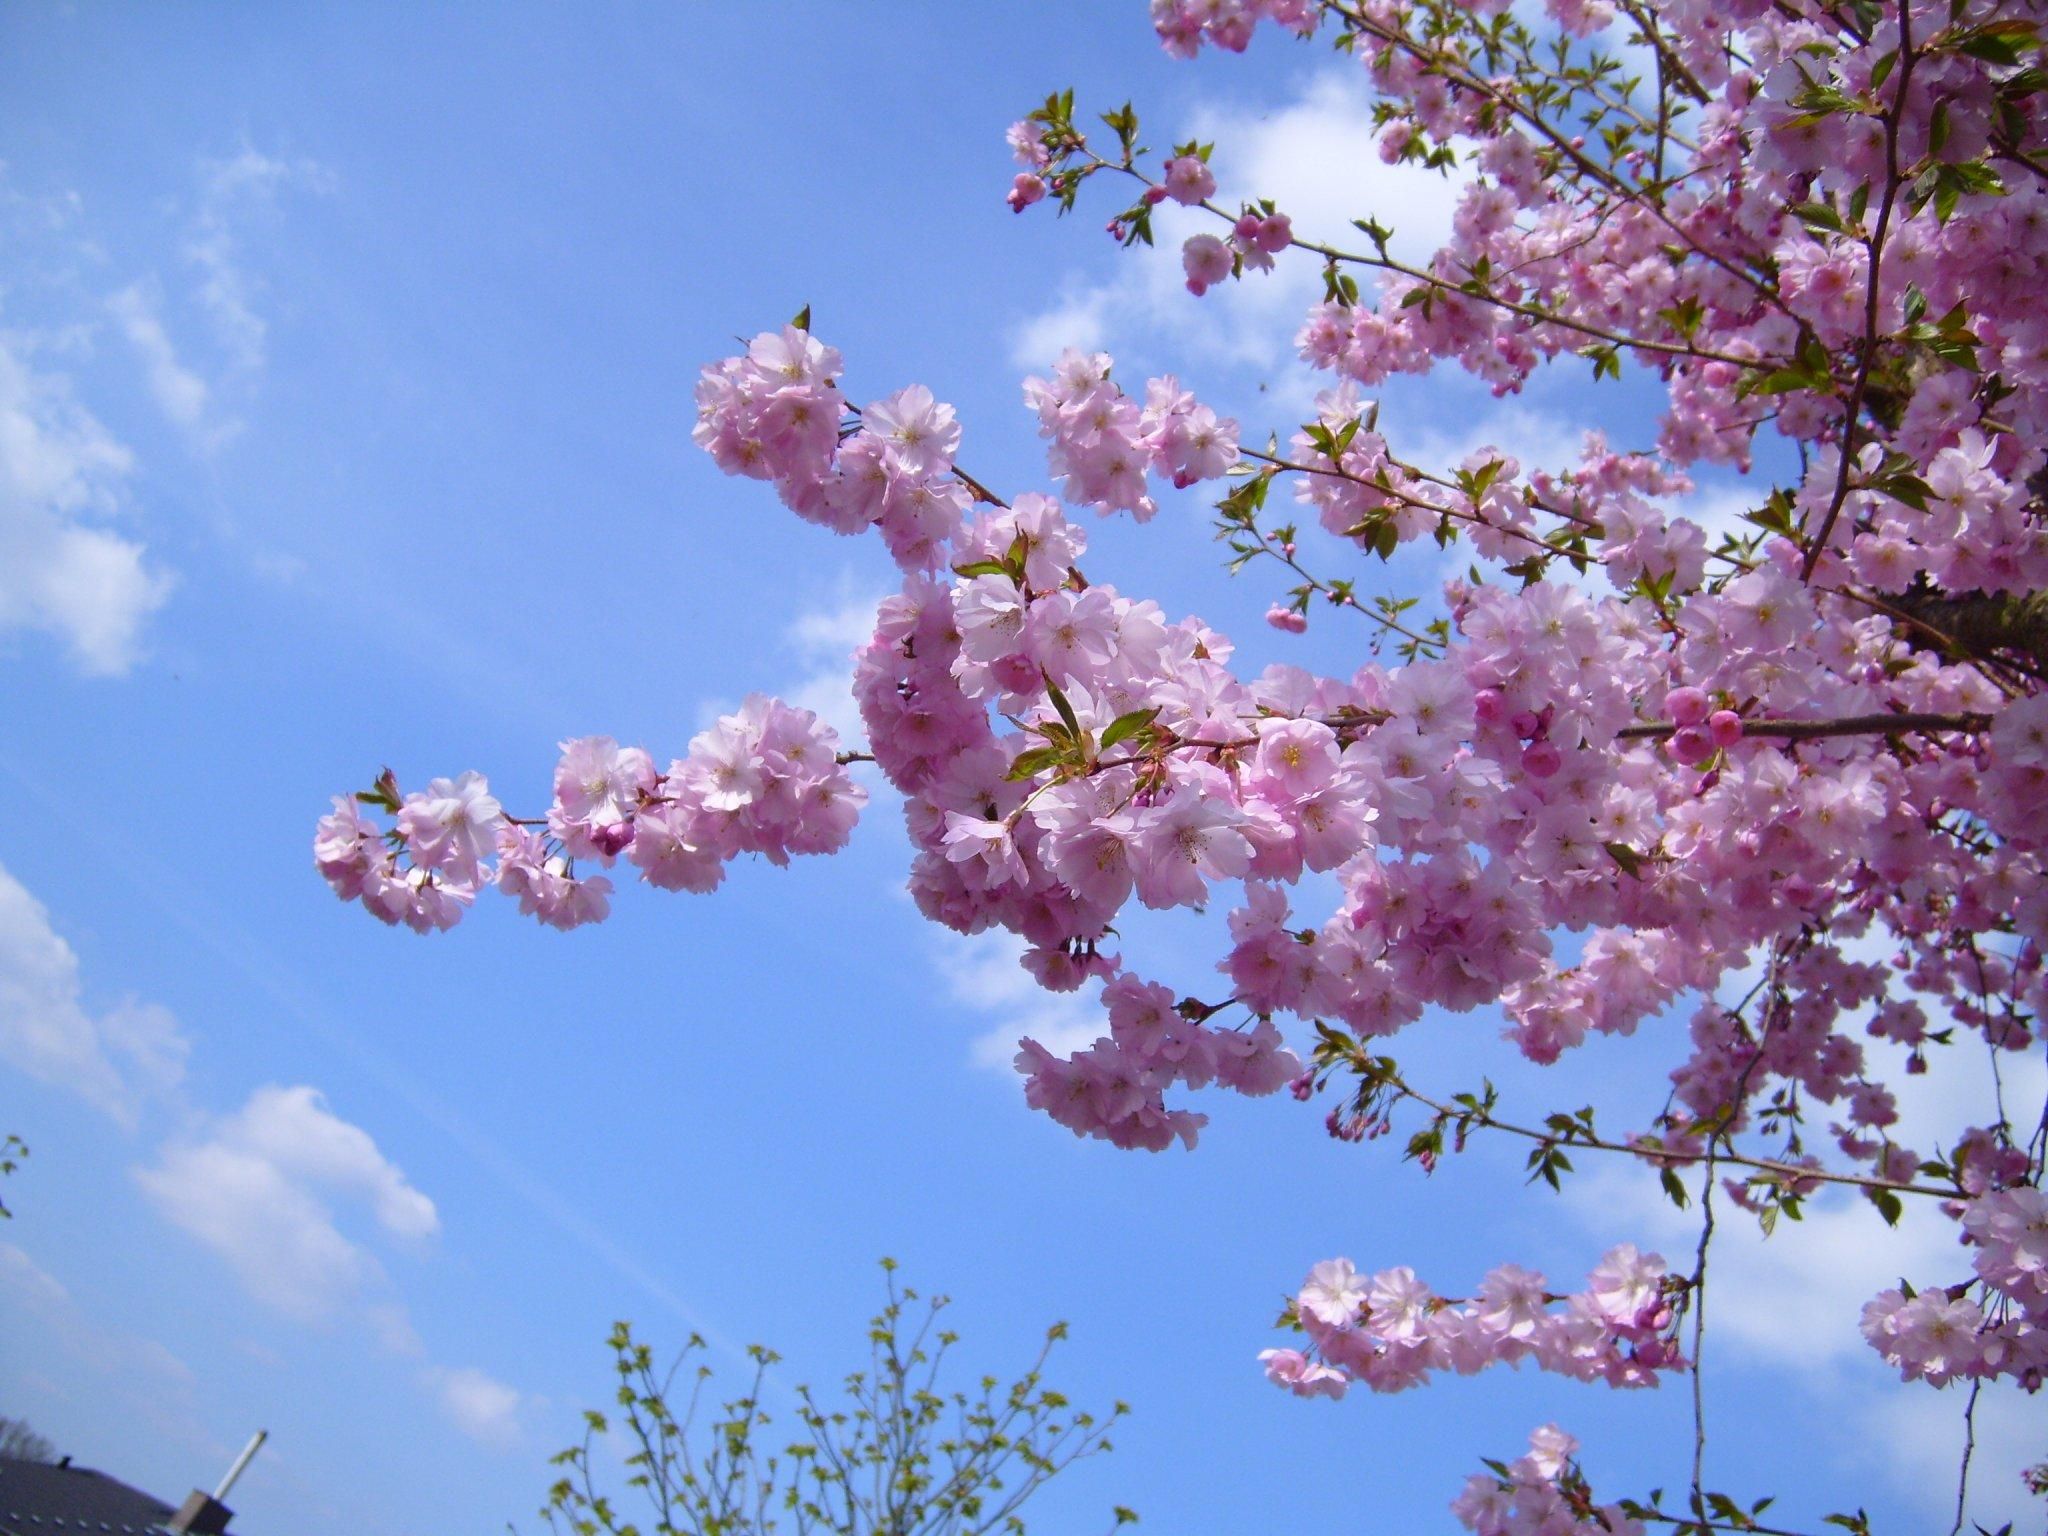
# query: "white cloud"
(391, 1326)
(1797, 1294)
(1913, 1436)
(114, 1060)
(479, 1405)
(824, 640)
(61, 574)
(1794, 1297)
(182, 395)
(1720, 505)
(252, 1191)
(1078, 318)
(1535, 439)
(1313, 157)
(260, 1187)
(230, 191)
(294, 1129)
(982, 973)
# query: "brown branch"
(1814, 730)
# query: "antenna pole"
(241, 1465)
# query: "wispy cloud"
(232, 191)
(259, 1190)
(115, 1059)
(232, 195)
(61, 475)
(1796, 1295)
(481, 1406)
(181, 394)
(1534, 438)
(262, 1187)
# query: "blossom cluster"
(764, 780)
(775, 414)
(1540, 1494)
(1389, 1331)
(1113, 1089)
(1943, 1333)
(1103, 443)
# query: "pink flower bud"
(1686, 706)
(1725, 726)
(1024, 191)
(1286, 619)
(1691, 746)
(1489, 706)
(1275, 234)
(1541, 759)
(1526, 723)
(1154, 196)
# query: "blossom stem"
(1789, 1173)
(1657, 1516)
(1875, 245)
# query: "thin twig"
(1969, 1449)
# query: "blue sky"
(345, 389)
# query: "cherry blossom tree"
(1774, 790)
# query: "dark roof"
(42, 1499)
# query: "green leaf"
(383, 793)
(1034, 761)
(1123, 727)
(1059, 702)
(802, 322)
(1818, 216)
(1997, 42)
(982, 568)
(1630, 861)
